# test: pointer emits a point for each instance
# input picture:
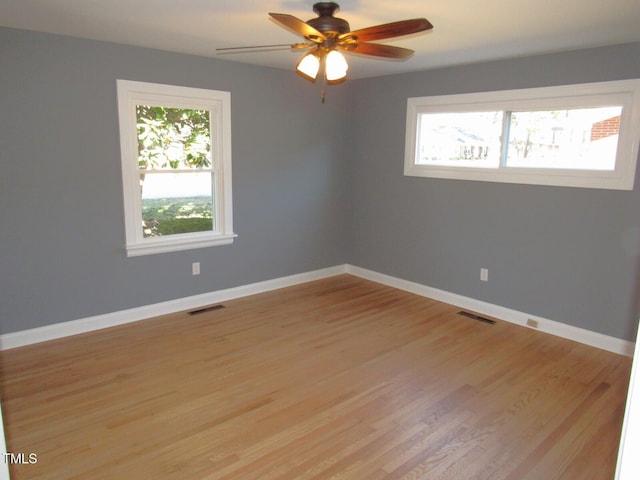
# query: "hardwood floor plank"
(340, 378)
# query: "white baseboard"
(74, 327)
(59, 330)
(605, 342)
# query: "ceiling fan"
(328, 36)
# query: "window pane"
(173, 138)
(460, 139)
(585, 138)
(174, 203)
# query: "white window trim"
(132, 93)
(623, 92)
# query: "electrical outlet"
(484, 274)
(195, 268)
(532, 323)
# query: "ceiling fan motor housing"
(326, 22)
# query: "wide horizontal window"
(580, 135)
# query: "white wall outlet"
(195, 268)
(484, 274)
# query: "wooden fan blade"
(377, 50)
(262, 48)
(298, 26)
(389, 30)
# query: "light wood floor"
(335, 379)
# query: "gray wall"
(565, 254)
(314, 186)
(62, 236)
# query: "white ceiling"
(465, 31)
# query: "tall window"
(580, 135)
(176, 167)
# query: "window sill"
(616, 180)
(178, 243)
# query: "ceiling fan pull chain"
(324, 87)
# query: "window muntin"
(176, 163)
(579, 135)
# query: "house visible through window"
(176, 165)
(584, 136)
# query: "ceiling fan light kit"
(336, 67)
(329, 36)
(309, 65)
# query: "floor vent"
(476, 317)
(205, 309)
